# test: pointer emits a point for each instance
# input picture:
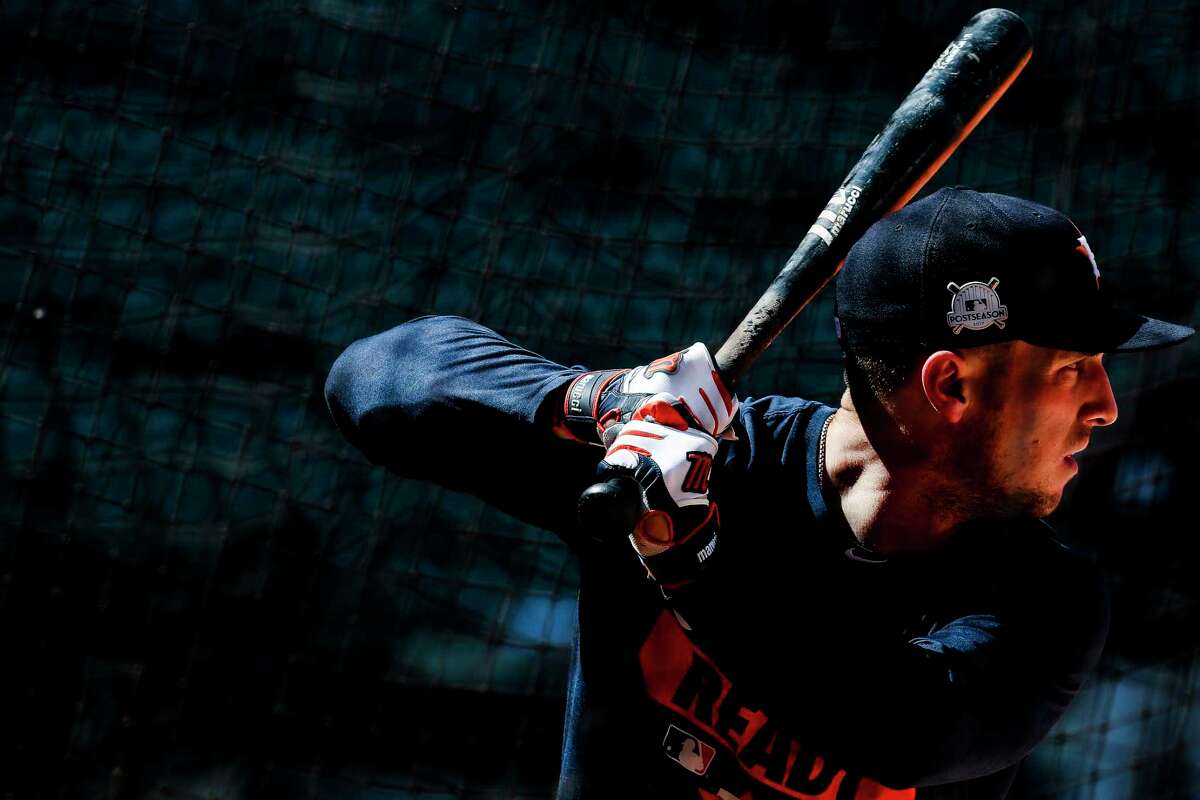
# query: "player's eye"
(1074, 367)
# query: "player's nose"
(1101, 406)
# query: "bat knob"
(609, 510)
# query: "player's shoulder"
(1047, 580)
(777, 404)
(1029, 551)
(1036, 543)
(776, 411)
(774, 429)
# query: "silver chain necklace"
(821, 478)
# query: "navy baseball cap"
(962, 268)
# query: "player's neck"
(890, 502)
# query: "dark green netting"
(205, 593)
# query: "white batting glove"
(597, 403)
(691, 376)
(672, 461)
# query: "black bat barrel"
(954, 95)
(961, 86)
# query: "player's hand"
(597, 404)
(661, 447)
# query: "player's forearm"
(448, 400)
(382, 385)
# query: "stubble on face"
(981, 478)
(979, 485)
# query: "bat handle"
(609, 510)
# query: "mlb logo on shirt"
(691, 753)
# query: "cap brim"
(1128, 332)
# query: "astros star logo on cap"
(1086, 249)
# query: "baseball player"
(850, 602)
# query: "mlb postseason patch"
(975, 306)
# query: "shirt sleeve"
(448, 400)
(1008, 673)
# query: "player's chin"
(1044, 503)
(1038, 502)
(1046, 508)
(1043, 500)
(1029, 502)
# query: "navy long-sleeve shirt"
(797, 666)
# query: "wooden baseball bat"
(963, 84)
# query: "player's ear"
(942, 380)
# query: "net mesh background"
(205, 593)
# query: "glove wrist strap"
(582, 403)
(686, 560)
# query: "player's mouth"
(1069, 458)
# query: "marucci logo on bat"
(837, 212)
(849, 201)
